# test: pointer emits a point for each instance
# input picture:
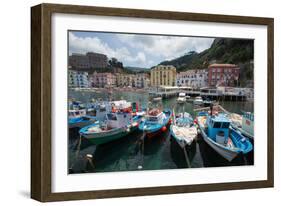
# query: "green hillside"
(232, 51)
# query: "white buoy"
(89, 158)
(139, 167)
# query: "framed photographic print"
(130, 102)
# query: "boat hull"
(243, 132)
(224, 152)
(180, 140)
(102, 138)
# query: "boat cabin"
(218, 128)
(154, 116)
(76, 113)
(119, 119)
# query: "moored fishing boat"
(81, 121)
(155, 122)
(183, 130)
(216, 132)
(116, 126)
(243, 123)
(76, 113)
(198, 101)
(182, 98)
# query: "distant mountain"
(222, 50)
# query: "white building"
(193, 78)
(78, 79)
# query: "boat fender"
(163, 129)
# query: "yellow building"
(163, 75)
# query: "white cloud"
(140, 50)
(166, 46)
(94, 44)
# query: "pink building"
(102, 80)
(223, 74)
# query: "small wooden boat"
(183, 130)
(116, 126)
(155, 122)
(217, 133)
(81, 121)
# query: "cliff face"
(222, 50)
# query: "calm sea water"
(127, 154)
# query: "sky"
(136, 50)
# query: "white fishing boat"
(116, 126)
(182, 98)
(198, 101)
(75, 113)
(243, 123)
(183, 130)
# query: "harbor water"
(162, 152)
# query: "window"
(225, 125)
(217, 125)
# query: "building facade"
(77, 79)
(102, 80)
(163, 75)
(141, 80)
(124, 80)
(90, 60)
(223, 75)
(193, 78)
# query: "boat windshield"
(152, 119)
(225, 125)
(217, 125)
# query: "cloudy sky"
(135, 49)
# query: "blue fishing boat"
(155, 122)
(183, 130)
(81, 121)
(217, 133)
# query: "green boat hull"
(109, 137)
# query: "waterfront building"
(88, 60)
(78, 79)
(102, 80)
(124, 80)
(193, 78)
(163, 75)
(141, 80)
(223, 75)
